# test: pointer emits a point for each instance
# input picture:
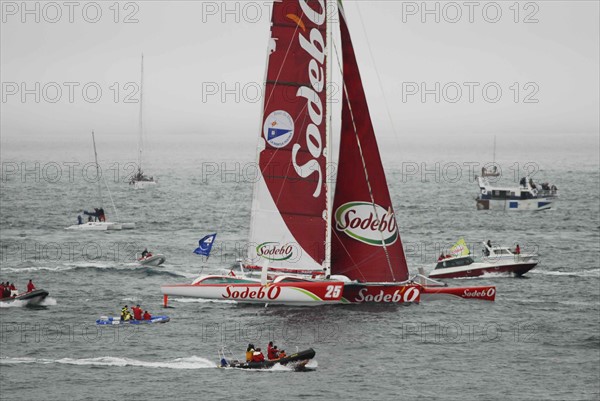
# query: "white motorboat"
(527, 196)
(152, 259)
(496, 260)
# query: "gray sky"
(192, 47)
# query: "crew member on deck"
(125, 315)
(518, 250)
(147, 316)
(249, 352)
(30, 286)
(272, 351)
(258, 356)
(145, 253)
(137, 312)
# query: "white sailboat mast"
(97, 170)
(141, 122)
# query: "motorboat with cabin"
(527, 196)
(495, 260)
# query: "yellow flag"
(460, 248)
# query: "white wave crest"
(14, 304)
(576, 273)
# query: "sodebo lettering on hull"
(271, 292)
(478, 294)
(410, 295)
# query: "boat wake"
(107, 267)
(19, 304)
(13, 304)
(192, 362)
(577, 273)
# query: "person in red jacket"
(147, 316)
(258, 356)
(137, 312)
(30, 286)
(272, 351)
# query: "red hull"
(381, 293)
(517, 270)
(484, 293)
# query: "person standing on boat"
(2, 290)
(13, 290)
(269, 349)
(137, 312)
(518, 250)
(79, 219)
(30, 286)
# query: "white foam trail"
(35, 269)
(192, 362)
(14, 304)
(577, 273)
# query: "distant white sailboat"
(493, 170)
(140, 180)
(101, 224)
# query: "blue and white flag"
(205, 245)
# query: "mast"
(328, 145)
(97, 170)
(141, 117)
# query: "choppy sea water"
(539, 340)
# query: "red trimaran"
(293, 217)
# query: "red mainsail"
(288, 215)
(366, 243)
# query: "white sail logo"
(278, 128)
(315, 47)
(359, 221)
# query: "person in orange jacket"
(147, 316)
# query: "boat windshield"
(454, 263)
